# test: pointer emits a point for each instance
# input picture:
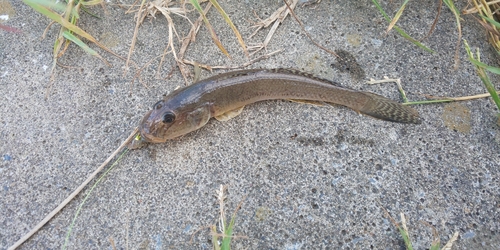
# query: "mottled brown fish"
(224, 96)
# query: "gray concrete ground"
(309, 177)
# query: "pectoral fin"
(317, 103)
(229, 115)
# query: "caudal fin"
(386, 109)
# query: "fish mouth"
(150, 138)
(148, 132)
(136, 143)
(141, 139)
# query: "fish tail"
(389, 110)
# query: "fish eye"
(168, 117)
(157, 105)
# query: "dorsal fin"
(301, 73)
(231, 74)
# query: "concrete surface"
(313, 177)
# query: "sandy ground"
(310, 177)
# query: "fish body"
(223, 97)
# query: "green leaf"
(406, 238)
(79, 42)
(66, 24)
(196, 5)
(56, 17)
(435, 247)
(381, 10)
(215, 240)
(91, 2)
(228, 234)
(413, 40)
(485, 66)
(452, 7)
(480, 67)
(399, 30)
(228, 21)
(397, 16)
(51, 4)
(210, 28)
(497, 24)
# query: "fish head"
(168, 119)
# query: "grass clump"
(398, 29)
(216, 40)
(487, 11)
(67, 15)
(405, 235)
(222, 236)
(481, 72)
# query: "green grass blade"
(66, 24)
(435, 246)
(57, 46)
(56, 17)
(228, 234)
(51, 4)
(485, 66)
(495, 23)
(86, 4)
(397, 16)
(228, 21)
(381, 10)
(413, 40)
(399, 30)
(455, 12)
(406, 238)
(66, 240)
(452, 7)
(215, 240)
(91, 2)
(79, 42)
(196, 5)
(480, 69)
(216, 40)
(491, 89)
(86, 10)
